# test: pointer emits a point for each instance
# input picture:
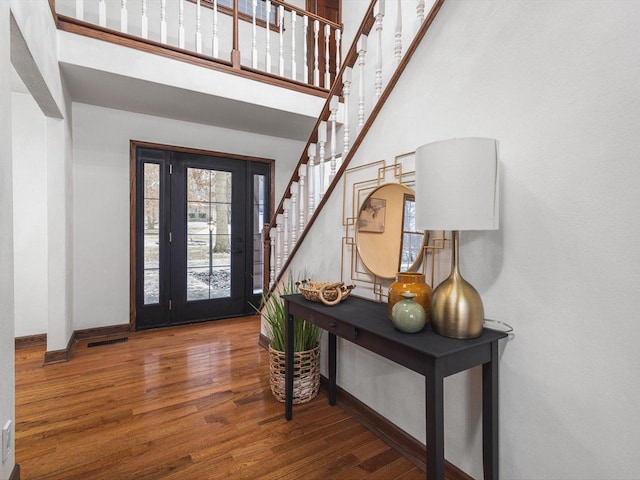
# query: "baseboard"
(31, 341)
(15, 473)
(57, 356)
(263, 341)
(389, 433)
(89, 333)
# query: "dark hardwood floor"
(183, 403)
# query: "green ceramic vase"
(407, 315)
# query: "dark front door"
(198, 244)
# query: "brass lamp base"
(457, 310)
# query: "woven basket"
(306, 374)
(329, 293)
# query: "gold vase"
(457, 310)
(412, 283)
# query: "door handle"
(236, 250)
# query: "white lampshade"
(457, 185)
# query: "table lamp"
(457, 189)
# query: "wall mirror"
(386, 239)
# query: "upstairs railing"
(265, 36)
(361, 88)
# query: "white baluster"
(124, 14)
(311, 152)
(272, 256)
(294, 217)
(333, 108)
(80, 9)
(267, 32)
(338, 52)
(181, 25)
(215, 42)
(327, 73)
(362, 51)
(322, 140)
(163, 21)
(102, 13)
(294, 72)
(302, 173)
(254, 50)
(286, 207)
(279, 243)
(145, 20)
(379, 14)
(198, 31)
(281, 51)
(316, 70)
(346, 92)
(419, 14)
(305, 27)
(397, 44)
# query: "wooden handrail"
(368, 20)
(303, 12)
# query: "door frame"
(133, 145)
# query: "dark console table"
(365, 323)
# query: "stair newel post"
(235, 52)
(80, 9)
(286, 208)
(124, 21)
(302, 173)
(397, 44)
(267, 44)
(281, 51)
(311, 181)
(279, 242)
(379, 15)
(333, 108)
(327, 72)
(294, 72)
(338, 52)
(419, 14)
(102, 13)
(362, 51)
(346, 93)
(322, 141)
(316, 69)
(305, 53)
(254, 50)
(181, 24)
(163, 21)
(215, 41)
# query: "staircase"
(369, 72)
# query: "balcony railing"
(264, 36)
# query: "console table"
(365, 323)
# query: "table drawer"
(331, 325)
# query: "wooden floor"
(183, 403)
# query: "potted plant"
(306, 348)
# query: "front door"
(198, 243)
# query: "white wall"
(7, 371)
(34, 56)
(557, 84)
(101, 196)
(29, 215)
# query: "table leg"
(434, 383)
(332, 369)
(288, 363)
(490, 415)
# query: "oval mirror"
(386, 239)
